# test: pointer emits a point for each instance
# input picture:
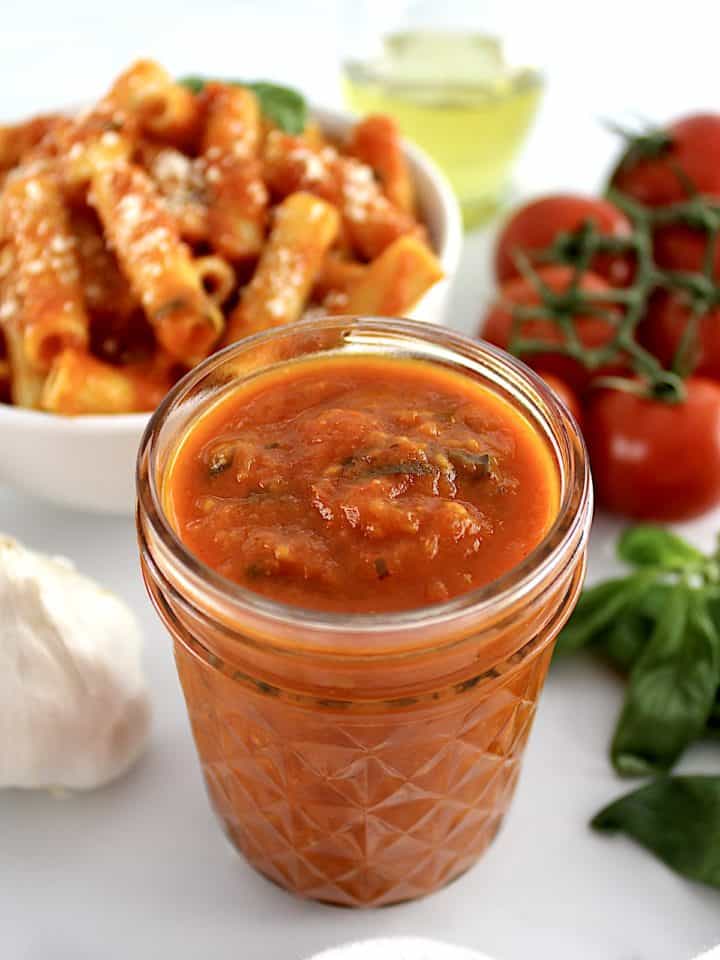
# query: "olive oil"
(454, 95)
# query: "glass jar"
(362, 759)
(461, 79)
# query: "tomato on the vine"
(600, 298)
(565, 392)
(665, 323)
(667, 165)
(680, 247)
(537, 225)
(654, 460)
(592, 331)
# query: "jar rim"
(569, 529)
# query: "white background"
(139, 870)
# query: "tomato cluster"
(616, 304)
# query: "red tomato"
(565, 393)
(593, 331)
(679, 247)
(692, 146)
(653, 460)
(537, 224)
(664, 325)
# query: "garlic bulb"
(74, 709)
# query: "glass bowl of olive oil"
(453, 93)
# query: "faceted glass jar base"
(361, 810)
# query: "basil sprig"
(285, 107)
(646, 545)
(678, 819)
(602, 608)
(671, 689)
(660, 625)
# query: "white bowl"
(88, 462)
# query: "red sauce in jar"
(362, 484)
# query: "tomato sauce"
(362, 484)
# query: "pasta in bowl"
(170, 220)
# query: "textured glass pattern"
(361, 808)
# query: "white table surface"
(140, 870)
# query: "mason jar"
(362, 759)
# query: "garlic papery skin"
(74, 706)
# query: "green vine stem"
(577, 249)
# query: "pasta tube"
(181, 181)
(21, 381)
(293, 163)
(105, 287)
(376, 142)
(395, 281)
(238, 198)
(78, 383)
(159, 266)
(338, 275)
(18, 139)
(305, 227)
(95, 139)
(160, 105)
(53, 314)
(372, 221)
(216, 276)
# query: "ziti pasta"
(174, 217)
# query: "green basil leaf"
(284, 106)
(599, 607)
(712, 728)
(653, 603)
(624, 641)
(195, 84)
(712, 593)
(645, 545)
(671, 689)
(678, 819)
